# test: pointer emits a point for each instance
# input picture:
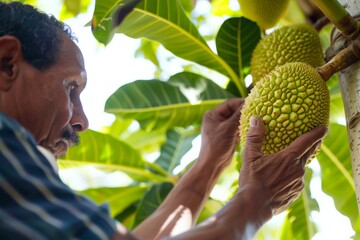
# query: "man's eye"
(72, 86)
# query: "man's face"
(47, 102)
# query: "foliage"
(169, 111)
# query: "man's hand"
(220, 133)
(277, 178)
(180, 209)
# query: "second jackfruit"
(293, 43)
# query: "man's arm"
(180, 209)
(268, 185)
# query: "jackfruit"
(293, 43)
(292, 99)
(266, 13)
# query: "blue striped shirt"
(34, 202)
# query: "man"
(42, 74)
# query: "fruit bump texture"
(292, 99)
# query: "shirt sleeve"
(35, 203)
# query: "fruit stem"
(341, 60)
(338, 15)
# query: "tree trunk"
(349, 80)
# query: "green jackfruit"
(266, 13)
(293, 43)
(291, 100)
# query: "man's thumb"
(255, 135)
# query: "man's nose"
(79, 121)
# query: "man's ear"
(10, 58)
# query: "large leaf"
(336, 172)
(336, 103)
(337, 111)
(178, 143)
(163, 21)
(118, 198)
(102, 148)
(144, 142)
(300, 226)
(123, 10)
(156, 104)
(118, 128)
(109, 154)
(151, 201)
(235, 43)
(200, 87)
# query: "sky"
(112, 66)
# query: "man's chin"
(60, 149)
(60, 153)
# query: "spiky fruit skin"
(294, 43)
(291, 100)
(266, 13)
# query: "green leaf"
(162, 21)
(31, 2)
(222, 8)
(109, 154)
(151, 173)
(127, 131)
(107, 14)
(148, 50)
(118, 198)
(146, 142)
(211, 207)
(118, 128)
(197, 87)
(72, 8)
(336, 173)
(235, 43)
(123, 10)
(151, 201)
(299, 216)
(337, 110)
(127, 217)
(178, 143)
(102, 148)
(156, 104)
(188, 5)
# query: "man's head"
(42, 74)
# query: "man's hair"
(39, 33)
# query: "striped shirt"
(34, 202)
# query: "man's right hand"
(275, 181)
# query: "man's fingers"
(307, 155)
(227, 108)
(254, 137)
(303, 143)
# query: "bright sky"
(112, 66)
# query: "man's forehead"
(71, 55)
